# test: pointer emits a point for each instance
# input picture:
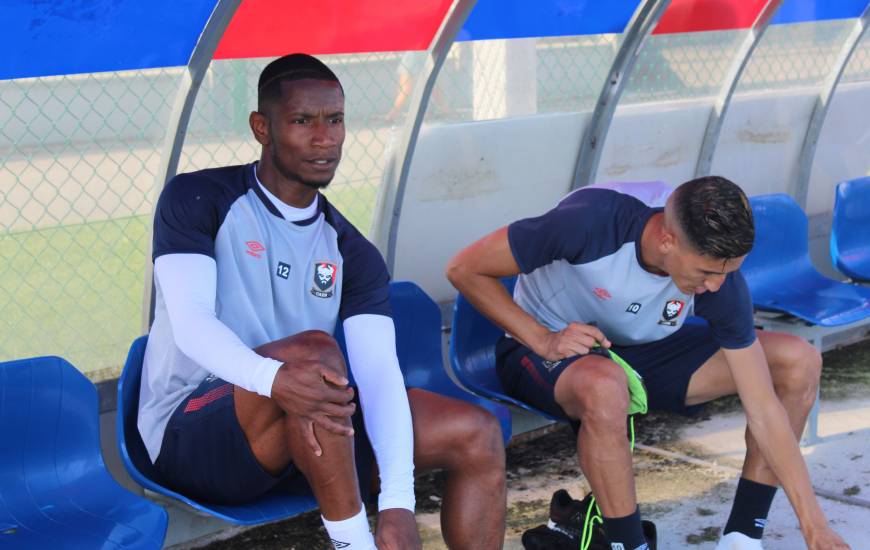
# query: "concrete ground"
(686, 485)
(686, 475)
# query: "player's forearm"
(371, 350)
(772, 431)
(391, 435)
(770, 427)
(492, 299)
(188, 283)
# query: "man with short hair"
(244, 388)
(603, 271)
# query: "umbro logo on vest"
(601, 293)
(254, 249)
(324, 279)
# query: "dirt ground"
(537, 466)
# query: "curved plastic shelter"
(462, 115)
(505, 107)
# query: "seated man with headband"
(244, 388)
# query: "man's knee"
(480, 442)
(797, 367)
(594, 392)
(310, 345)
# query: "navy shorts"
(665, 366)
(205, 454)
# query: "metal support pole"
(811, 430)
(179, 118)
(389, 211)
(801, 186)
(723, 101)
(642, 23)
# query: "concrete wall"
(468, 179)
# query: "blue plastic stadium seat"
(781, 276)
(418, 346)
(55, 491)
(270, 507)
(418, 343)
(472, 353)
(850, 232)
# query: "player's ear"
(667, 240)
(259, 123)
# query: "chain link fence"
(377, 88)
(78, 181)
(795, 56)
(78, 158)
(858, 68)
(493, 79)
(673, 67)
(79, 154)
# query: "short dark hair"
(716, 217)
(295, 66)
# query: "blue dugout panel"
(87, 36)
(804, 11)
(498, 19)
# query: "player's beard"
(289, 174)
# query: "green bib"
(635, 386)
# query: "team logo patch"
(283, 270)
(672, 310)
(601, 293)
(254, 248)
(324, 279)
(634, 307)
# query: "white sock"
(352, 533)
(738, 541)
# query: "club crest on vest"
(671, 311)
(324, 279)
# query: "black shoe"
(565, 528)
(649, 533)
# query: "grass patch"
(73, 291)
(76, 291)
(355, 202)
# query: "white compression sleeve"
(371, 349)
(188, 284)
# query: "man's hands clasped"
(315, 394)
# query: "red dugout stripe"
(709, 15)
(212, 395)
(269, 28)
